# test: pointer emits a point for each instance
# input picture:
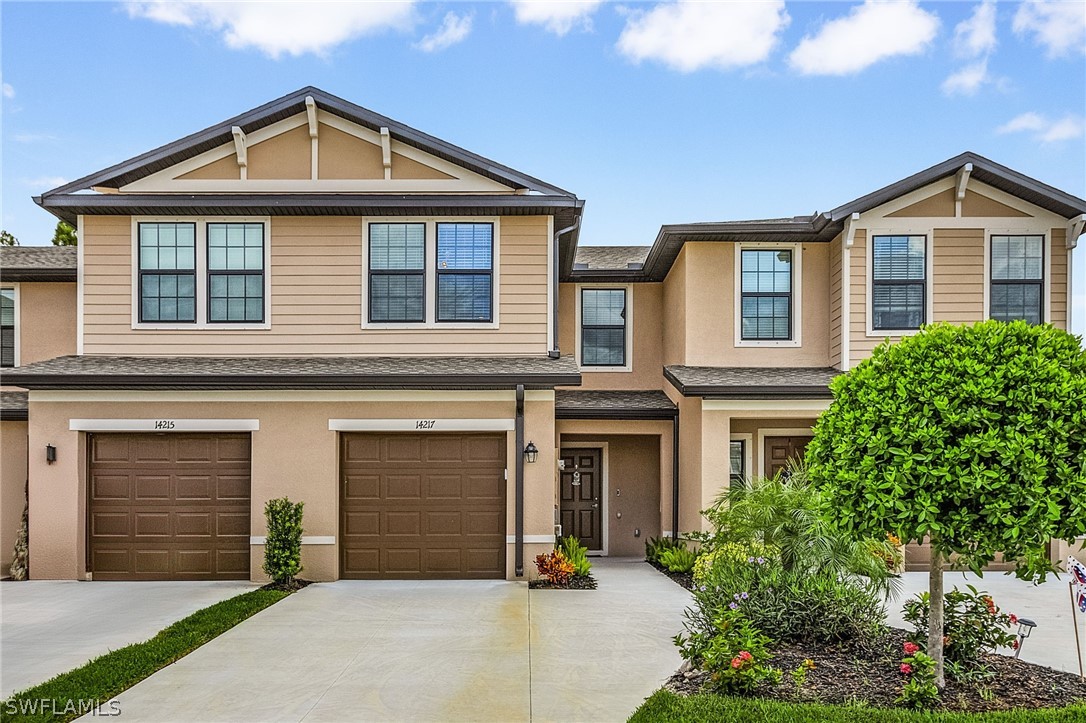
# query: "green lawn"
(664, 705)
(116, 671)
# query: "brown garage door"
(169, 507)
(417, 506)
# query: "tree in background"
(7, 239)
(65, 235)
(973, 437)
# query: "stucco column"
(57, 496)
(539, 482)
(715, 457)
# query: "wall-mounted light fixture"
(531, 452)
(50, 453)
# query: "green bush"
(972, 625)
(577, 554)
(736, 655)
(678, 559)
(283, 545)
(656, 546)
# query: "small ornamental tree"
(973, 437)
(65, 235)
(283, 544)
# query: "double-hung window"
(738, 454)
(7, 328)
(465, 272)
(235, 272)
(603, 327)
(898, 282)
(167, 272)
(766, 294)
(1017, 290)
(397, 273)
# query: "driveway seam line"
(530, 700)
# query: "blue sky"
(653, 113)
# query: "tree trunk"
(935, 617)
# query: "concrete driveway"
(1049, 605)
(48, 627)
(421, 651)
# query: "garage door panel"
(398, 524)
(479, 561)
(444, 449)
(485, 487)
(485, 449)
(403, 487)
(444, 486)
(403, 561)
(362, 487)
(357, 524)
(175, 506)
(360, 449)
(444, 561)
(445, 523)
(403, 449)
(362, 562)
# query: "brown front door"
(581, 496)
(168, 507)
(780, 452)
(422, 506)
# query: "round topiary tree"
(973, 437)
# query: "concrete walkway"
(432, 651)
(48, 627)
(1049, 605)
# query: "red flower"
(1014, 645)
(911, 648)
(906, 668)
(745, 655)
(737, 663)
(1014, 619)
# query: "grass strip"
(67, 696)
(664, 706)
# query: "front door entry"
(581, 496)
(780, 452)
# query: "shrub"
(656, 546)
(972, 625)
(283, 544)
(554, 567)
(919, 690)
(736, 655)
(733, 552)
(678, 559)
(577, 554)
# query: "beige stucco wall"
(288, 155)
(47, 320)
(674, 311)
(316, 298)
(293, 454)
(12, 487)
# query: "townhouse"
(315, 301)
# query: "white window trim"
(430, 273)
(14, 286)
(1046, 270)
(796, 319)
(748, 452)
(202, 324)
(929, 281)
(628, 366)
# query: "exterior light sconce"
(531, 452)
(50, 454)
(1025, 627)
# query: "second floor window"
(7, 327)
(167, 272)
(397, 272)
(235, 272)
(603, 327)
(465, 272)
(766, 299)
(898, 283)
(1017, 278)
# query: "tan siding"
(404, 167)
(958, 275)
(223, 169)
(939, 204)
(975, 204)
(860, 345)
(836, 301)
(341, 155)
(316, 279)
(287, 155)
(1058, 286)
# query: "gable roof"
(289, 105)
(38, 263)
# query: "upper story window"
(235, 272)
(7, 328)
(397, 258)
(766, 294)
(603, 327)
(167, 272)
(465, 272)
(898, 282)
(1017, 290)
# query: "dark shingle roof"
(614, 404)
(120, 372)
(38, 263)
(12, 406)
(610, 257)
(752, 382)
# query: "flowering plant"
(973, 625)
(799, 675)
(736, 655)
(919, 690)
(555, 568)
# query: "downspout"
(675, 478)
(519, 503)
(555, 353)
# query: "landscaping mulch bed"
(850, 673)
(685, 579)
(578, 583)
(292, 586)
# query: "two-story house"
(314, 301)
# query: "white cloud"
(9, 92)
(976, 35)
(968, 80)
(557, 16)
(32, 137)
(45, 182)
(454, 28)
(275, 28)
(1045, 130)
(1059, 26)
(870, 32)
(687, 36)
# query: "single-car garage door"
(169, 506)
(422, 506)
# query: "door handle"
(595, 505)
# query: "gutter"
(26, 274)
(555, 352)
(519, 502)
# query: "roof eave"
(39, 275)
